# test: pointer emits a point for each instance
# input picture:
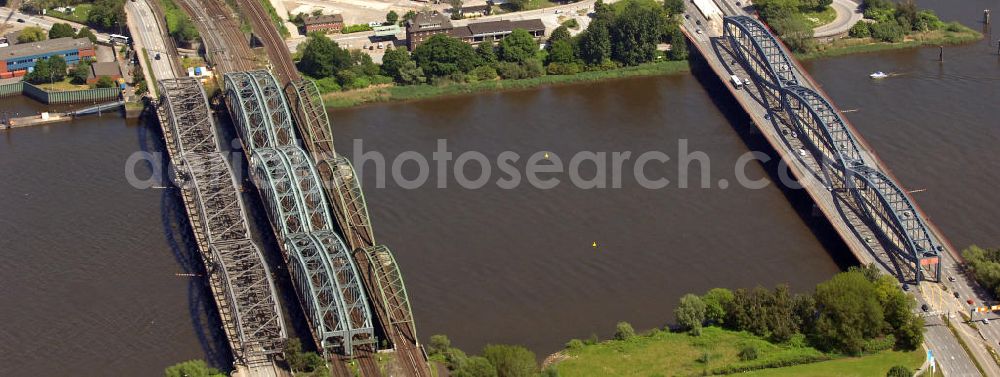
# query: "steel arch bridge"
(236, 268)
(337, 303)
(343, 189)
(883, 206)
(327, 278)
(311, 116)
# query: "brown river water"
(92, 271)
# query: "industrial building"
(21, 58)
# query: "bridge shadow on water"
(743, 125)
(205, 320)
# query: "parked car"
(956, 294)
(157, 56)
(906, 287)
(925, 308)
(951, 278)
(21, 20)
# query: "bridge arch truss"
(236, 268)
(884, 207)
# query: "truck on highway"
(737, 83)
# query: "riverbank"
(959, 34)
(425, 91)
(718, 351)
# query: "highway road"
(149, 36)
(11, 16)
(848, 14)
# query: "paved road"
(848, 14)
(10, 16)
(148, 35)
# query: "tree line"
(855, 312)
(626, 33)
(497, 360)
(893, 21)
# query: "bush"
(899, 371)
(954, 26)
(879, 344)
(571, 24)
(748, 353)
(574, 344)
(624, 331)
(888, 31)
(511, 361)
(327, 85)
(484, 73)
(556, 68)
(105, 82)
(355, 28)
(860, 30)
(438, 344)
(476, 366)
(193, 368)
(511, 71)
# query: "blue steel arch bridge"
(326, 277)
(347, 285)
(875, 216)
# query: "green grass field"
(872, 365)
(716, 351)
(821, 18)
(79, 14)
(664, 353)
(848, 46)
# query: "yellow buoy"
(546, 155)
(594, 244)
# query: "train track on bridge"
(227, 48)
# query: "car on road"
(970, 301)
(951, 278)
(558, 11)
(698, 22)
(21, 20)
(986, 321)
(956, 294)
(698, 31)
(802, 152)
(157, 56)
(906, 287)
(925, 308)
(687, 16)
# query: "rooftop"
(323, 19)
(497, 27)
(427, 21)
(42, 47)
(104, 69)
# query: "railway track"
(225, 45)
(279, 57)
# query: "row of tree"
(893, 21)
(497, 360)
(787, 19)
(857, 311)
(623, 34)
(59, 30)
(985, 266)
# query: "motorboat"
(878, 75)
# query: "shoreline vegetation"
(840, 47)
(625, 39)
(857, 323)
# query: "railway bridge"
(238, 275)
(325, 275)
